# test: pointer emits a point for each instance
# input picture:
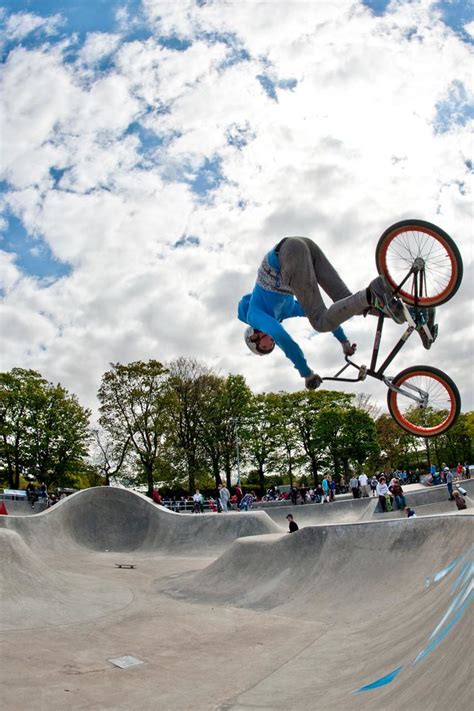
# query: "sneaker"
(382, 299)
(429, 319)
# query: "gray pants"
(305, 268)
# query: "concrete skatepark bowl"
(357, 610)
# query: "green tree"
(455, 445)
(109, 454)
(397, 447)
(357, 438)
(44, 430)
(135, 404)
(224, 403)
(258, 435)
(60, 436)
(288, 456)
(19, 390)
(312, 426)
(190, 382)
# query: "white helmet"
(251, 342)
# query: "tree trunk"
(290, 472)
(228, 472)
(216, 472)
(191, 463)
(428, 454)
(314, 470)
(149, 477)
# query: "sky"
(152, 152)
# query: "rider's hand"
(313, 381)
(349, 348)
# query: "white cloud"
(97, 46)
(9, 273)
(347, 151)
(21, 25)
(470, 28)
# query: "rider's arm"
(267, 324)
(298, 311)
(340, 335)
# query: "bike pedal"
(362, 372)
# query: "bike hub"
(418, 264)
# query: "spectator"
(31, 494)
(303, 494)
(293, 526)
(43, 492)
(332, 489)
(224, 496)
(325, 485)
(198, 502)
(364, 484)
(246, 502)
(397, 492)
(319, 494)
(459, 471)
(373, 485)
(342, 485)
(448, 477)
(410, 512)
(382, 493)
(459, 500)
(156, 496)
(238, 493)
(354, 484)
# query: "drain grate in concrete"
(125, 662)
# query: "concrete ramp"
(345, 511)
(389, 602)
(34, 593)
(110, 519)
(226, 612)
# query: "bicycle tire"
(401, 243)
(443, 408)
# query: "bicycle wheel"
(419, 244)
(434, 405)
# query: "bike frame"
(409, 390)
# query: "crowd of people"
(388, 489)
(222, 502)
(35, 494)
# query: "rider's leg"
(304, 267)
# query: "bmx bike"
(424, 268)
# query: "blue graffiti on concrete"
(382, 681)
(463, 590)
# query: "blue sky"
(153, 151)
